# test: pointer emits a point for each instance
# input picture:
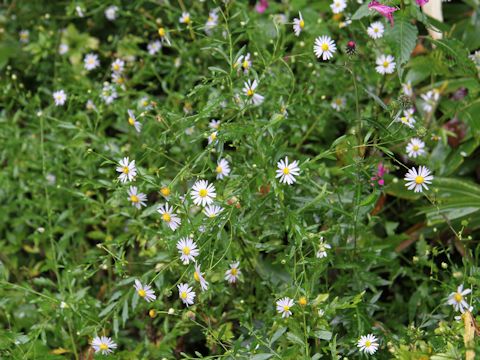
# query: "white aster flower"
(154, 47)
(103, 344)
(118, 65)
(287, 172)
(232, 274)
(407, 88)
(338, 6)
(385, 64)
(457, 299)
(24, 36)
(368, 344)
(283, 307)
(111, 13)
(59, 97)
(91, 61)
(138, 199)
(243, 62)
(222, 169)
(198, 276)
(418, 180)
(376, 30)
(163, 36)
(203, 193)
(212, 211)
(63, 49)
(127, 170)
(185, 18)
(212, 138)
(132, 120)
(338, 103)
(187, 249)
(186, 294)
(407, 119)
(144, 291)
(118, 79)
(212, 21)
(322, 249)
(430, 99)
(415, 147)
(169, 217)
(144, 103)
(214, 124)
(249, 91)
(90, 106)
(324, 47)
(109, 93)
(298, 24)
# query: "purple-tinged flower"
(383, 10)
(421, 2)
(262, 5)
(378, 178)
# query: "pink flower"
(379, 175)
(384, 10)
(262, 5)
(421, 2)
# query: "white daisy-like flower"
(244, 63)
(322, 249)
(338, 103)
(132, 120)
(430, 99)
(324, 47)
(189, 131)
(338, 6)
(198, 276)
(249, 90)
(212, 138)
(137, 199)
(415, 147)
(154, 47)
(188, 250)
(90, 105)
(118, 79)
(163, 36)
(118, 66)
(60, 97)
(127, 170)
(232, 274)
(385, 64)
(169, 217)
(144, 291)
(284, 305)
(203, 193)
(298, 24)
(212, 21)
(457, 299)
(185, 18)
(186, 294)
(407, 88)
(368, 344)
(103, 344)
(407, 119)
(111, 13)
(222, 169)
(24, 36)
(376, 30)
(91, 61)
(212, 211)
(109, 93)
(63, 49)
(287, 172)
(418, 180)
(214, 124)
(144, 103)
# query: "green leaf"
(277, 334)
(361, 12)
(263, 356)
(404, 35)
(294, 338)
(323, 335)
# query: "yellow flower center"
(142, 293)
(416, 148)
(302, 301)
(338, 101)
(196, 276)
(419, 179)
(234, 272)
(250, 92)
(186, 250)
(126, 170)
(375, 30)
(161, 32)
(165, 191)
(325, 47)
(301, 24)
(103, 346)
(368, 343)
(286, 171)
(152, 313)
(219, 169)
(385, 64)
(131, 121)
(183, 294)
(458, 297)
(186, 19)
(213, 136)
(116, 67)
(203, 192)
(286, 308)
(134, 198)
(245, 64)
(166, 217)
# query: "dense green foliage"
(72, 244)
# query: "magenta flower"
(262, 5)
(384, 10)
(379, 175)
(421, 2)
